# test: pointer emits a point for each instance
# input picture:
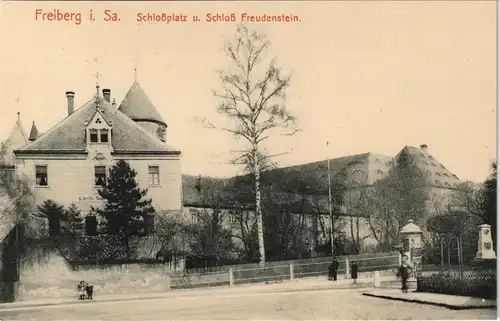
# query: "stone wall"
(51, 276)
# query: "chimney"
(114, 102)
(71, 101)
(106, 93)
(423, 147)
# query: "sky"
(366, 76)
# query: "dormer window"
(99, 135)
(94, 137)
(104, 135)
(98, 129)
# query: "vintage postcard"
(248, 160)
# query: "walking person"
(333, 269)
(354, 272)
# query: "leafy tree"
(480, 200)
(55, 214)
(252, 98)
(74, 224)
(489, 200)
(126, 204)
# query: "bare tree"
(210, 235)
(252, 98)
(390, 202)
(16, 195)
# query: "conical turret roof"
(33, 132)
(137, 106)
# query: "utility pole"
(330, 198)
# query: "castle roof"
(69, 134)
(351, 171)
(435, 173)
(139, 107)
(16, 139)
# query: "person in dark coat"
(90, 291)
(333, 269)
(354, 272)
(404, 274)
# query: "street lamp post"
(330, 198)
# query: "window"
(104, 135)
(41, 176)
(433, 165)
(431, 158)
(355, 162)
(232, 219)
(422, 155)
(438, 183)
(455, 177)
(93, 136)
(100, 175)
(447, 184)
(154, 175)
(425, 163)
(438, 174)
(446, 175)
(428, 172)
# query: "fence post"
(291, 271)
(347, 270)
(169, 281)
(376, 279)
(231, 280)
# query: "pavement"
(453, 302)
(327, 304)
(301, 284)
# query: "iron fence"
(468, 281)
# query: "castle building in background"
(70, 161)
(355, 172)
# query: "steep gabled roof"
(435, 173)
(16, 139)
(69, 134)
(137, 106)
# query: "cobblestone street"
(338, 304)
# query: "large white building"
(70, 161)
